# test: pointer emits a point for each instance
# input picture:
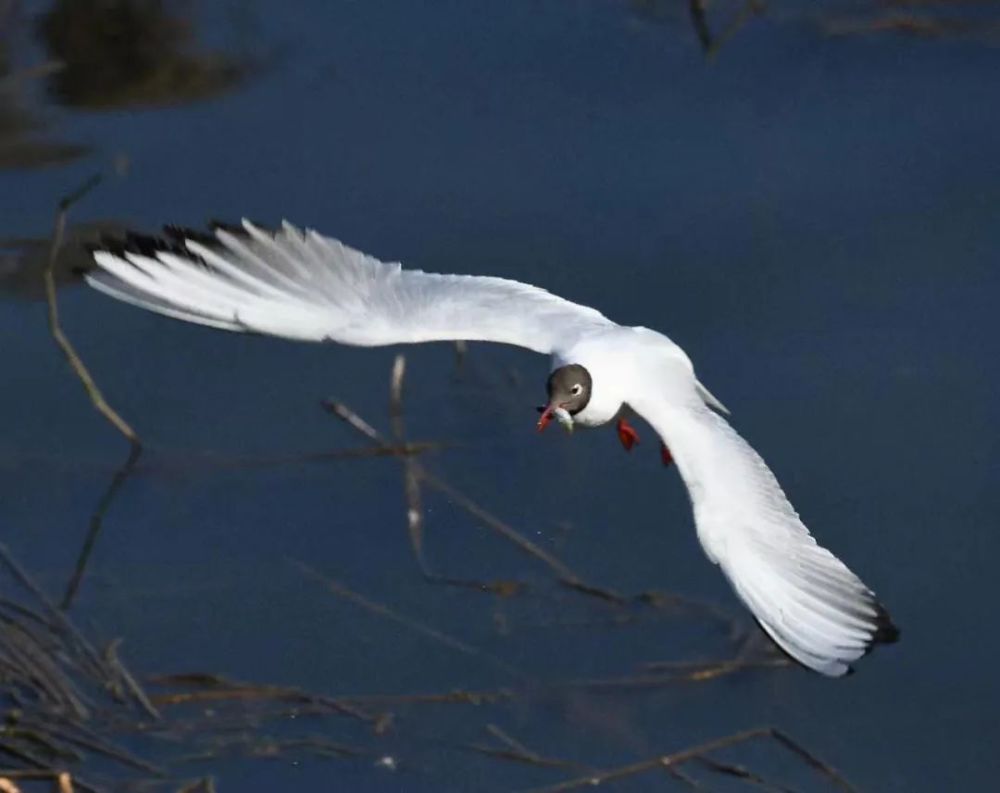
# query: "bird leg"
(627, 434)
(665, 454)
(629, 438)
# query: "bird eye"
(576, 390)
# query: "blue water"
(815, 219)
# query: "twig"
(112, 659)
(216, 689)
(384, 611)
(35, 662)
(186, 462)
(457, 697)
(517, 752)
(83, 374)
(89, 741)
(510, 742)
(740, 772)
(694, 752)
(411, 480)
(796, 748)
(6, 786)
(750, 9)
(96, 523)
(697, 671)
(266, 746)
(58, 617)
(686, 779)
(698, 10)
(564, 574)
(502, 528)
(699, 19)
(62, 779)
(96, 397)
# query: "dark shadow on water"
(23, 259)
(131, 53)
(25, 142)
(106, 55)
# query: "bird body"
(614, 357)
(304, 286)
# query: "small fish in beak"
(559, 413)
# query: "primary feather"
(806, 599)
(302, 285)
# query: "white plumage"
(302, 285)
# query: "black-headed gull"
(302, 285)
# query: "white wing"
(803, 596)
(302, 285)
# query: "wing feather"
(806, 599)
(302, 285)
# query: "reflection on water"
(23, 139)
(23, 259)
(103, 55)
(132, 53)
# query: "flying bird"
(305, 286)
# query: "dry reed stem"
(133, 687)
(712, 44)
(93, 391)
(385, 612)
(743, 773)
(515, 751)
(563, 573)
(96, 523)
(62, 780)
(685, 779)
(215, 688)
(81, 371)
(698, 751)
(411, 479)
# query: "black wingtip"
(132, 242)
(173, 238)
(179, 235)
(886, 631)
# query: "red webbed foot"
(627, 434)
(665, 454)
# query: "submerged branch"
(55, 327)
(670, 761)
(385, 612)
(97, 523)
(564, 574)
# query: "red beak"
(546, 417)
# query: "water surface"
(813, 217)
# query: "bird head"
(569, 388)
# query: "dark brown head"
(569, 389)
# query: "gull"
(304, 286)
